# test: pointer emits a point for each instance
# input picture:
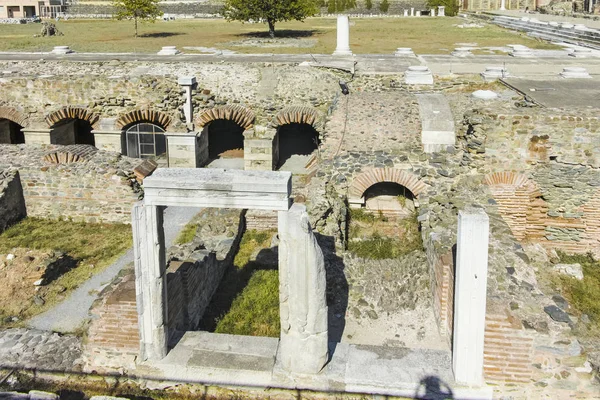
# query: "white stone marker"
(484, 95)
(303, 348)
(462, 52)
(343, 37)
(61, 50)
(521, 51)
(404, 52)
(554, 24)
(581, 53)
(406, 13)
(575, 72)
(567, 25)
(418, 75)
(441, 11)
(418, 13)
(412, 11)
(188, 83)
(494, 73)
(432, 12)
(169, 51)
(503, 5)
(580, 27)
(470, 293)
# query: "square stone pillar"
(150, 280)
(183, 150)
(343, 37)
(441, 11)
(188, 83)
(432, 12)
(259, 151)
(36, 136)
(109, 141)
(470, 292)
(412, 11)
(303, 346)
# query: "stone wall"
(100, 188)
(441, 271)
(12, 203)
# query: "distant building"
(31, 8)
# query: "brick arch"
(67, 113)
(377, 175)
(508, 178)
(299, 115)
(240, 115)
(136, 116)
(13, 115)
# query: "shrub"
(384, 6)
(369, 4)
(451, 6)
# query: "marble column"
(441, 11)
(150, 280)
(303, 347)
(343, 37)
(470, 296)
(503, 4)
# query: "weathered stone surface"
(12, 203)
(573, 270)
(557, 314)
(303, 307)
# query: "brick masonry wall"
(101, 189)
(261, 220)
(441, 264)
(12, 203)
(508, 351)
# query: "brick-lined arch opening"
(10, 132)
(390, 199)
(297, 144)
(364, 181)
(72, 125)
(12, 114)
(127, 120)
(225, 139)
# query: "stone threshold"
(232, 360)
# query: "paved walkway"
(71, 313)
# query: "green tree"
(384, 6)
(369, 4)
(451, 6)
(335, 6)
(145, 10)
(270, 11)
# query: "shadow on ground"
(156, 35)
(284, 33)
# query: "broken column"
(188, 83)
(150, 283)
(343, 37)
(303, 306)
(470, 296)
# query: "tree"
(269, 11)
(335, 6)
(384, 6)
(145, 10)
(451, 6)
(368, 4)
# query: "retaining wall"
(12, 203)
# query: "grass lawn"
(93, 246)
(369, 35)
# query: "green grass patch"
(583, 295)
(367, 35)
(187, 234)
(247, 300)
(94, 245)
(255, 311)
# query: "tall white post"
(150, 280)
(343, 37)
(432, 13)
(441, 11)
(412, 11)
(503, 4)
(188, 83)
(470, 291)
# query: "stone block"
(575, 72)
(39, 395)
(418, 75)
(186, 80)
(462, 52)
(493, 73)
(404, 52)
(169, 51)
(109, 141)
(61, 50)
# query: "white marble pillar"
(432, 13)
(470, 293)
(188, 83)
(503, 4)
(418, 13)
(412, 12)
(303, 347)
(150, 280)
(343, 37)
(441, 11)
(406, 13)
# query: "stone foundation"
(12, 203)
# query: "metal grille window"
(145, 141)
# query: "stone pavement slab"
(557, 93)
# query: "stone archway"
(136, 116)
(221, 141)
(11, 124)
(72, 125)
(365, 180)
(297, 139)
